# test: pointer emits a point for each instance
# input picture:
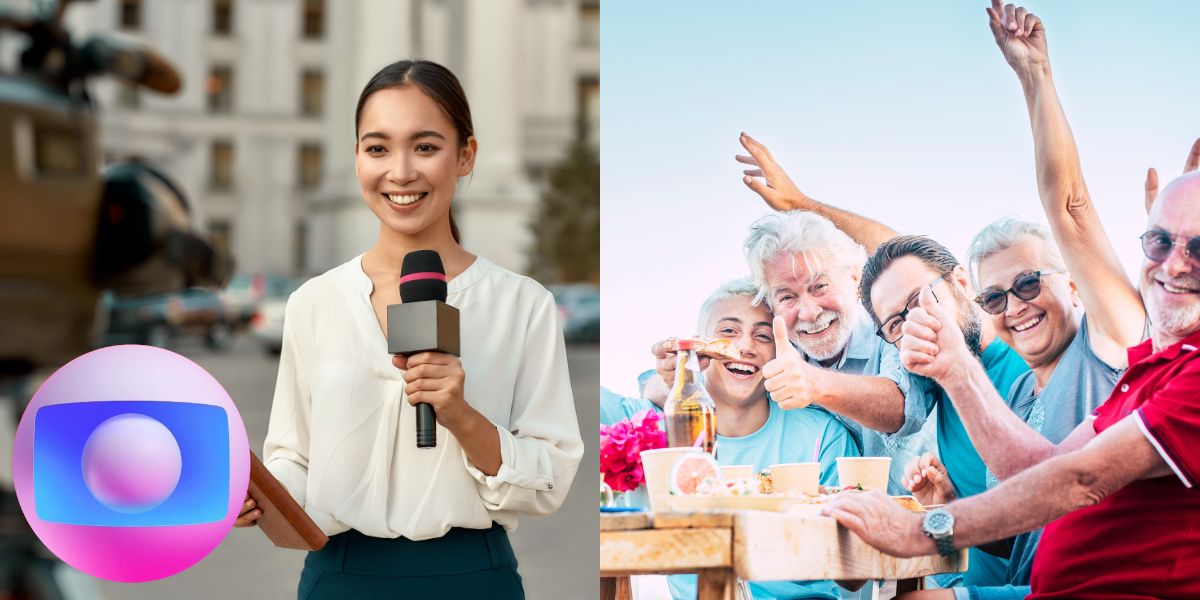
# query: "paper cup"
(871, 472)
(797, 477)
(731, 472)
(656, 464)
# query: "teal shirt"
(967, 472)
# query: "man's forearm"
(868, 232)
(1006, 444)
(874, 402)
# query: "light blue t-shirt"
(788, 436)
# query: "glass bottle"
(691, 416)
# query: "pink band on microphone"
(419, 276)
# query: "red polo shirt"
(1143, 541)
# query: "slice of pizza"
(721, 349)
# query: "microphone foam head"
(422, 277)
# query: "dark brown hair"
(439, 84)
(934, 255)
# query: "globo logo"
(131, 463)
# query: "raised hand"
(1020, 35)
(932, 344)
(768, 179)
(1191, 164)
(793, 382)
(927, 479)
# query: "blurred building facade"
(261, 136)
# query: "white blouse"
(342, 436)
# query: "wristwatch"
(939, 525)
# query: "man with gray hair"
(807, 270)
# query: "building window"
(310, 166)
(300, 249)
(221, 168)
(589, 98)
(129, 94)
(589, 24)
(221, 233)
(219, 88)
(312, 93)
(222, 17)
(131, 14)
(314, 19)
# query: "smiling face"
(897, 287)
(408, 161)
(748, 327)
(818, 308)
(1171, 288)
(1039, 329)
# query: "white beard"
(830, 346)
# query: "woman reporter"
(402, 520)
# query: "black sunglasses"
(1026, 287)
(890, 330)
(1157, 245)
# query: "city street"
(558, 555)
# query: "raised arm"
(769, 181)
(1116, 316)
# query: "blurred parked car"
(267, 324)
(578, 311)
(161, 319)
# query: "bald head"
(1183, 193)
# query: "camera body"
(67, 229)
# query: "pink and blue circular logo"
(131, 463)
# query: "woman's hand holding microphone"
(436, 378)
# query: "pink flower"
(621, 445)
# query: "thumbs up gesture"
(932, 344)
(793, 382)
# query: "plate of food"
(696, 485)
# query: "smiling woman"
(402, 520)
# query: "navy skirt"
(464, 563)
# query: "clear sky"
(903, 112)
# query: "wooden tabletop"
(757, 545)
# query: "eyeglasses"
(1026, 287)
(1158, 245)
(890, 330)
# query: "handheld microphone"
(423, 322)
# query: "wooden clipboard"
(283, 520)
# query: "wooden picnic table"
(722, 546)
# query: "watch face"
(938, 523)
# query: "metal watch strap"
(945, 545)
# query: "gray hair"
(1005, 233)
(815, 238)
(743, 286)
